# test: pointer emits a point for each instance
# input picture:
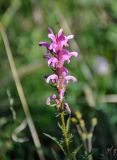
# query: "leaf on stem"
(56, 141)
(77, 150)
(68, 124)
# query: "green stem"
(66, 136)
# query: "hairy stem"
(65, 134)
(90, 148)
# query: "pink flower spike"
(52, 77)
(52, 61)
(68, 78)
(56, 56)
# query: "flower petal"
(45, 44)
(66, 57)
(75, 54)
(52, 77)
(50, 30)
(52, 37)
(70, 37)
(68, 78)
(67, 108)
(60, 32)
(53, 47)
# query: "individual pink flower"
(70, 78)
(52, 77)
(53, 61)
(50, 99)
(65, 55)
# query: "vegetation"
(25, 118)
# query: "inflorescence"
(56, 55)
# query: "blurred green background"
(94, 24)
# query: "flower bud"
(89, 136)
(82, 123)
(84, 136)
(78, 114)
(94, 121)
(67, 108)
(73, 120)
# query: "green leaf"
(56, 141)
(68, 124)
(60, 126)
(76, 151)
